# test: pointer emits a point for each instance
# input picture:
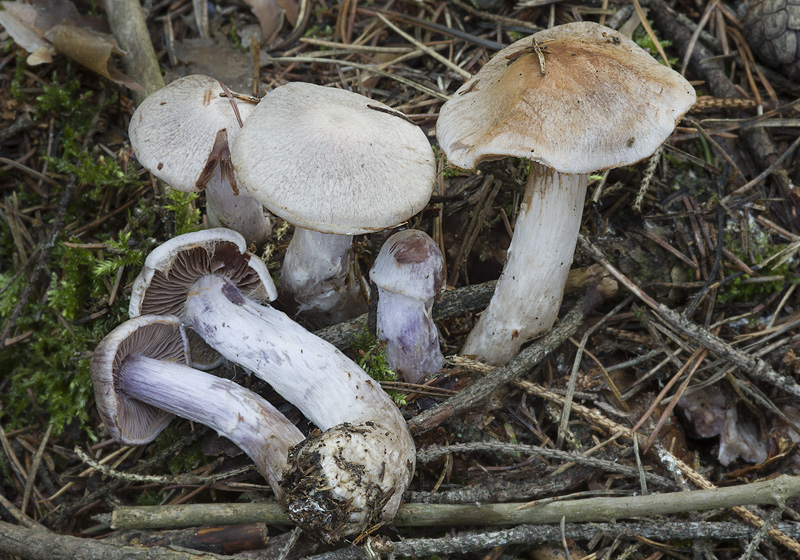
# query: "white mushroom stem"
(240, 212)
(242, 416)
(356, 471)
(412, 342)
(528, 293)
(317, 273)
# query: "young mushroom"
(182, 134)
(141, 379)
(409, 274)
(341, 482)
(334, 164)
(573, 99)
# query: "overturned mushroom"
(141, 380)
(353, 475)
(334, 164)
(573, 99)
(182, 134)
(409, 274)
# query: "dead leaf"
(271, 13)
(47, 27)
(91, 49)
(19, 21)
(214, 57)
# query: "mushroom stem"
(528, 293)
(242, 416)
(407, 326)
(317, 272)
(240, 212)
(327, 386)
(353, 475)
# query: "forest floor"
(675, 372)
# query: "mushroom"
(182, 134)
(141, 380)
(573, 99)
(353, 475)
(334, 164)
(409, 274)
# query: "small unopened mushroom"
(353, 475)
(141, 380)
(182, 134)
(710, 412)
(573, 99)
(409, 274)
(335, 164)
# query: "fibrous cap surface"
(333, 161)
(174, 130)
(602, 102)
(409, 263)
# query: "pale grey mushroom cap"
(174, 131)
(333, 161)
(130, 421)
(602, 102)
(172, 268)
(411, 264)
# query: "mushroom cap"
(130, 421)
(171, 269)
(174, 130)
(603, 102)
(411, 264)
(333, 161)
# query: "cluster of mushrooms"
(573, 99)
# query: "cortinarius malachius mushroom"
(573, 99)
(409, 274)
(182, 134)
(334, 164)
(141, 379)
(353, 475)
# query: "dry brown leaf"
(91, 49)
(19, 20)
(271, 13)
(49, 26)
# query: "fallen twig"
(531, 356)
(753, 367)
(473, 541)
(451, 515)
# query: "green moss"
(186, 215)
(370, 355)
(441, 163)
(762, 248)
(318, 32)
(149, 498)
(65, 317)
(19, 76)
(642, 39)
(189, 458)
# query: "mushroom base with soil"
(528, 294)
(366, 436)
(346, 480)
(318, 273)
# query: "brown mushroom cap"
(411, 264)
(333, 161)
(602, 102)
(130, 421)
(171, 269)
(175, 130)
